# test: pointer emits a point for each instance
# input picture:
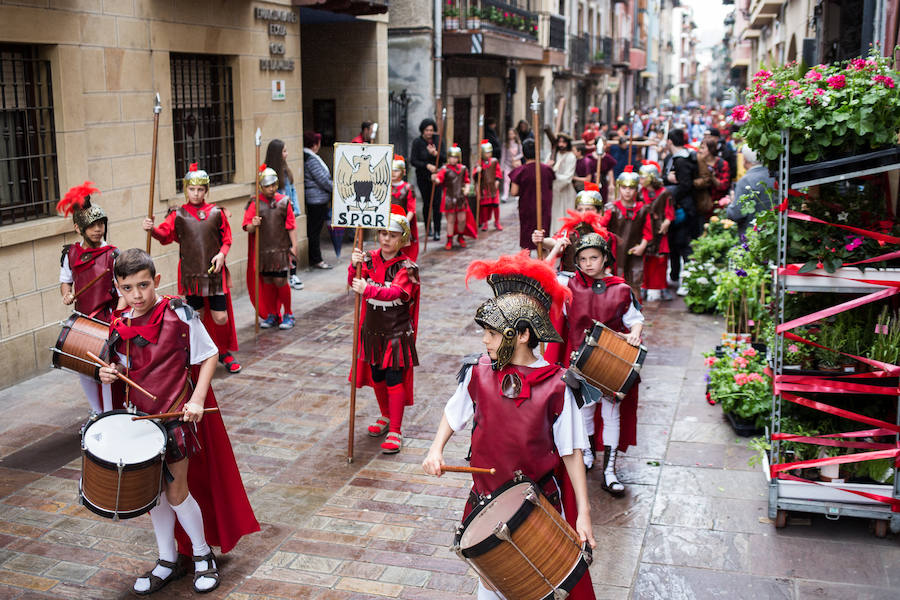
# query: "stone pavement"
(693, 524)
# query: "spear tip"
(258, 136)
(157, 105)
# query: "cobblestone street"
(693, 523)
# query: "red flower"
(836, 81)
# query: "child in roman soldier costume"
(586, 218)
(454, 179)
(86, 269)
(525, 416)
(204, 239)
(276, 232)
(599, 296)
(402, 195)
(489, 193)
(625, 219)
(389, 286)
(660, 214)
(161, 344)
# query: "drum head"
(501, 508)
(115, 438)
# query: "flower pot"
(829, 472)
(451, 23)
(830, 368)
(473, 23)
(743, 427)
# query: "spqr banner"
(362, 185)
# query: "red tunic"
(659, 208)
(161, 365)
(513, 434)
(454, 200)
(490, 175)
(225, 336)
(402, 195)
(86, 264)
(249, 213)
(589, 304)
(392, 281)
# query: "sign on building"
(362, 185)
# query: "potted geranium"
(473, 20)
(451, 16)
(737, 381)
(830, 109)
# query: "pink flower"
(739, 114)
(857, 63)
(854, 244)
(762, 75)
(754, 377)
(793, 349)
(771, 101)
(710, 361)
(740, 378)
(749, 352)
(796, 92)
(793, 83)
(813, 75)
(836, 81)
(818, 91)
(888, 82)
(739, 363)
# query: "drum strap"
(547, 485)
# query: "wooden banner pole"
(157, 108)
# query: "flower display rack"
(830, 499)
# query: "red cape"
(215, 482)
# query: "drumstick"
(90, 283)
(479, 470)
(171, 414)
(124, 378)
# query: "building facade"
(78, 81)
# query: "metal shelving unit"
(785, 496)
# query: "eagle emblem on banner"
(362, 185)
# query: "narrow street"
(693, 523)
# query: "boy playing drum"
(526, 418)
(161, 344)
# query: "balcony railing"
(621, 52)
(602, 50)
(491, 15)
(579, 47)
(557, 32)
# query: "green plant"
(760, 446)
(474, 12)
(451, 10)
(885, 345)
(737, 381)
(849, 105)
(700, 279)
(831, 335)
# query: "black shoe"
(436, 236)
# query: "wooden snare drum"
(81, 334)
(121, 465)
(521, 546)
(607, 361)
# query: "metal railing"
(579, 47)
(398, 128)
(621, 52)
(557, 32)
(29, 185)
(602, 50)
(493, 15)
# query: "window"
(29, 187)
(202, 116)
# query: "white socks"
(163, 518)
(90, 387)
(609, 410)
(191, 520)
(587, 413)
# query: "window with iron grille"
(29, 187)
(203, 116)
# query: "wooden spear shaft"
(437, 159)
(157, 108)
(535, 108)
(85, 287)
(354, 359)
(256, 269)
(478, 178)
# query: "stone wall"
(107, 60)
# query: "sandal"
(322, 265)
(158, 583)
(379, 427)
(211, 572)
(392, 443)
(230, 362)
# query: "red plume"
(262, 167)
(398, 157)
(396, 209)
(652, 162)
(192, 168)
(574, 219)
(485, 141)
(75, 197)
(629, 169)
(522, 264)
(591, 187)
